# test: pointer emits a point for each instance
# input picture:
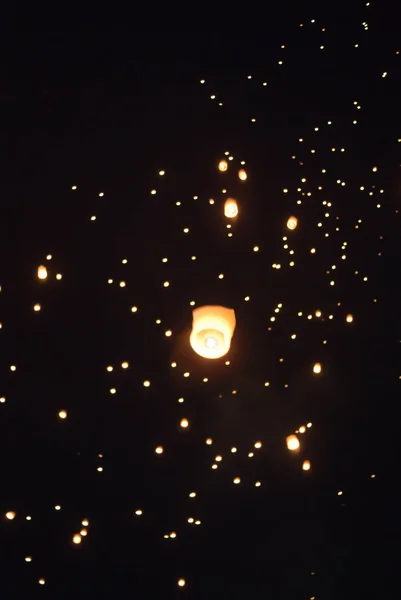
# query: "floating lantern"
(223, 165)
(306, 465)
(317, 368)
(292, 442)
(349, 318)
(292, 223)
(242, 175)
(42, 272)
(212, 330)
(230, 208)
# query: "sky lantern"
(292, 223)
(223, 166)
(292, 442)
(212, 330)
(317, 368)
(306, 465)
(349, 318)
(242, 175)
(42, 272)
(230, 208)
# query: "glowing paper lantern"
(223, 166)
(230, 208)
(306, 465)
(349, 318)
(292, 442)
(317, 368)
(292, 223)
(242, 175)
(42, 272)
(212, 330)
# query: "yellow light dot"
(134, 309)
(62, 414)
(113, 390)
(124, 365)
(138, 512)
(10, 515)
(146, 383)
(166, 283)
(236, 480)
(349, 318)
(306, 465)
(77, 538)
(258, 444)
(28, 558)
(42, 272)
(209, 441)
(168, 333)
(159, 450)
(184, 423)
(242, 174)
(37, 307)
(292, 442)
(292, 223)
(181, 582)
(317, 368)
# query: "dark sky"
(105, 107)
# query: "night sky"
(131, 466)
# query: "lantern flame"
(212, 330)
(292, 442)
(230, 208)
(292, 223)
(42, 272)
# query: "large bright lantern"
(223, 166)
(230, 208)
(212, 330)
(242, 175)
(292, 223)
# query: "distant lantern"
(292, 442)
(230, 208)
(317, 368)
(212, 330)
(292, 223)
(42, 272)
(223, 166)
(306, 465)
(242, 175)
(349, 318)
(77, 538)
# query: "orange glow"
(230, 208)
(212, 330)
(292, 223)
(292, 442)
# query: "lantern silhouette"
(230, 208)
(212, 330)
(292, 223)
